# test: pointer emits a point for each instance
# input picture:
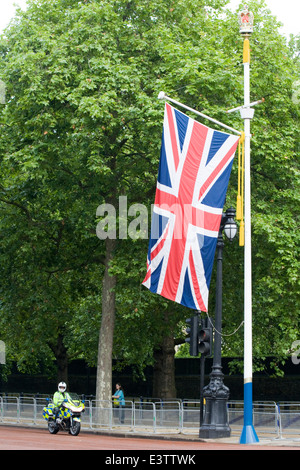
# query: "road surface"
(17, 438)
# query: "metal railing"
(155, 416)
(265, 416)
(289, 418)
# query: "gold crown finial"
(246, 21)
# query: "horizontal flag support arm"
(243, 107)
(163, 96)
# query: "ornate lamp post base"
(216, 394)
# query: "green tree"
(82, 126)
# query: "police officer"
(59, 397)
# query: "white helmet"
(62, 387)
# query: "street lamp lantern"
(246, 21)
(230, 227)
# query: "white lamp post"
(248, 434)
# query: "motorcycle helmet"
(62, 387)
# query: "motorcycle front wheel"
(75, 428)
(53, 428)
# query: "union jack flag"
(194, 170)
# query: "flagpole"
(248, 433)
(163, 96)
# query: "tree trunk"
(164, 370)
(62, 360)
(105, 346)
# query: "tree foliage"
(82, 126)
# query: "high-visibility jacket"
(59, 397)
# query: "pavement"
(268, 440)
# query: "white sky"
(286, 11)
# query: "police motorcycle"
(68, 417)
